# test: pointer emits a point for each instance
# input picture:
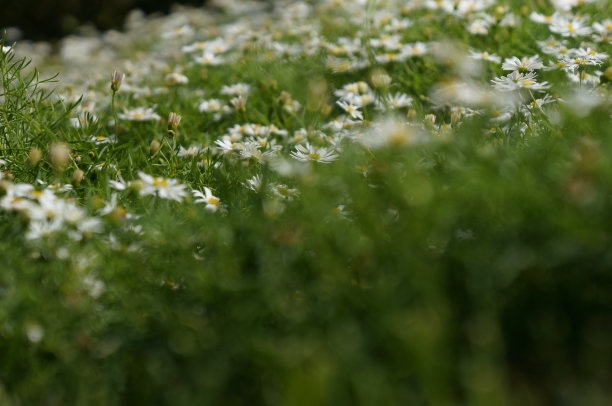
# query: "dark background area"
(50, 20)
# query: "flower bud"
(607, 76)
(59, 154)
(173, 121)
(154, 147)
(34, 156)
(116, 79)
(239, 103)
(77, 176)
(380, 79)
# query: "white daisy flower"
(569, 28)
(309, 152)
(517, 80)
(140, 114)
(485, 56)
(176, 78)
(523, 65)
(351, 109)
(162, 187)
(192, 151)
(209, 59)
(238, 89)
(212, 202)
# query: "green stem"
(113, 111)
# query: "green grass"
(461, 262)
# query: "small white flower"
(517, 80)
(239, 89)
(101, 139)
(140, 114)
(253, 183)
(212, 202)
(569, 28)
(209, 59)
(523, 65)
(176, 78)
(179, 32)
(192, 151)
(479, 27)
(485, 56)
(399, 100)
(162, 187)
(309, 152)
(284, 192)
(351, 109)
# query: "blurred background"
(49, 20)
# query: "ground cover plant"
(322, 202)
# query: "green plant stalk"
(113, 109)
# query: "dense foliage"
(332, 202)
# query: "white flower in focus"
(517, 80)
(351, 109)
(212, 202)
(162, 187)
(309, 152)
(101, 139)
(523, 65)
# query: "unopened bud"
(326, 109)
(285, 97)
(116, 79)
(430, 118)
(411, 114)
(154, 147)
(455, 117)
(173, 122)
(380, 79)
(607, 75)
(34, 156)
(239, 103)
(317, 94)
(59, 154)
(117, 214)
(524, 10)
(97, 202)
(77, 176)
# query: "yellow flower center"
(160, 182)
